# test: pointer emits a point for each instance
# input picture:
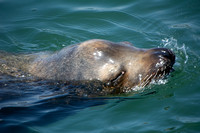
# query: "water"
(172, 105)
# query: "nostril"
(170, 55)
(166, 53)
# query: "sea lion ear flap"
(126, 43)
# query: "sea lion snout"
(164, 55)
(152, 64)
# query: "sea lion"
(119, 66)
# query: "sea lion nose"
(166, 53)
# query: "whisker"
(146, 81)
(156, 74)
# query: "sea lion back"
(69, 64)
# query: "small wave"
(142, 90)
(180, 51)
(186, 59)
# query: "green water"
(33, 26)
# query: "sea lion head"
(123, 66)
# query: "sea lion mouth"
(162, 69)
(159, 74)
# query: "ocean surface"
(172, 105)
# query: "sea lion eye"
(115, 81)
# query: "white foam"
(159, 82)
(172, 44)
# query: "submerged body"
(120, 66)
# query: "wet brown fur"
(117, 65)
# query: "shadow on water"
(25, 103)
